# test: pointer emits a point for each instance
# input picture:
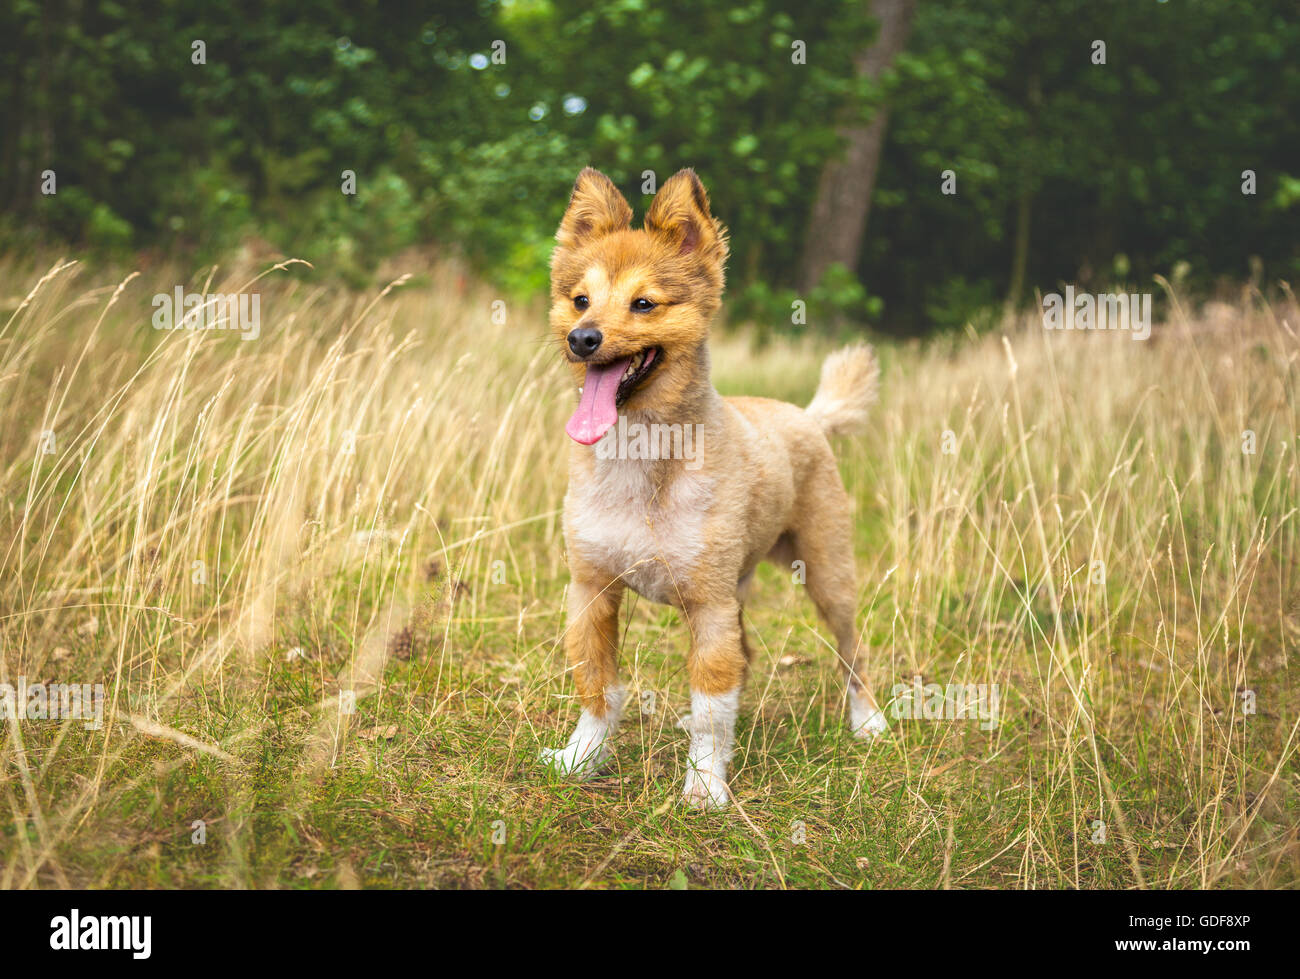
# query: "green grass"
(1121, 699)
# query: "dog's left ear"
(680, 213)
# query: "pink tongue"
(597, 412)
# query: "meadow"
(320, 574)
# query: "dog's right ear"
(595, 210)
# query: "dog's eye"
(581, 302)
(642, 305)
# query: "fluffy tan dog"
(677, 492)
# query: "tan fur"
(847, 391)
(767, 484)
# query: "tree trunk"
(1024, 203)
(839, 214)
(1019, 253)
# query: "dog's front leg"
(717, 668)
(591, 645)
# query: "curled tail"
(847, 390)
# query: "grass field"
(321, 575)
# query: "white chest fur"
(631, 522)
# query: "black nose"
(584, 341)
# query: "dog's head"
(631, 308)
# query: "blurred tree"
(839, 212)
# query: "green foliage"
(450, 142)
(465, 123)
(1142, 155)
(957, 302)
(837, 306)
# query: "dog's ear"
(680, 213)
(595, 210)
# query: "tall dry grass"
(239, 536)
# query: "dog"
(631, 311)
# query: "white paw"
(868, 723)
(579, 760)
(712, 723)
(705, 790)
(589, 746)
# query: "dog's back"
(849, 386)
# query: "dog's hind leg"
(591, 646)
(823, 540)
